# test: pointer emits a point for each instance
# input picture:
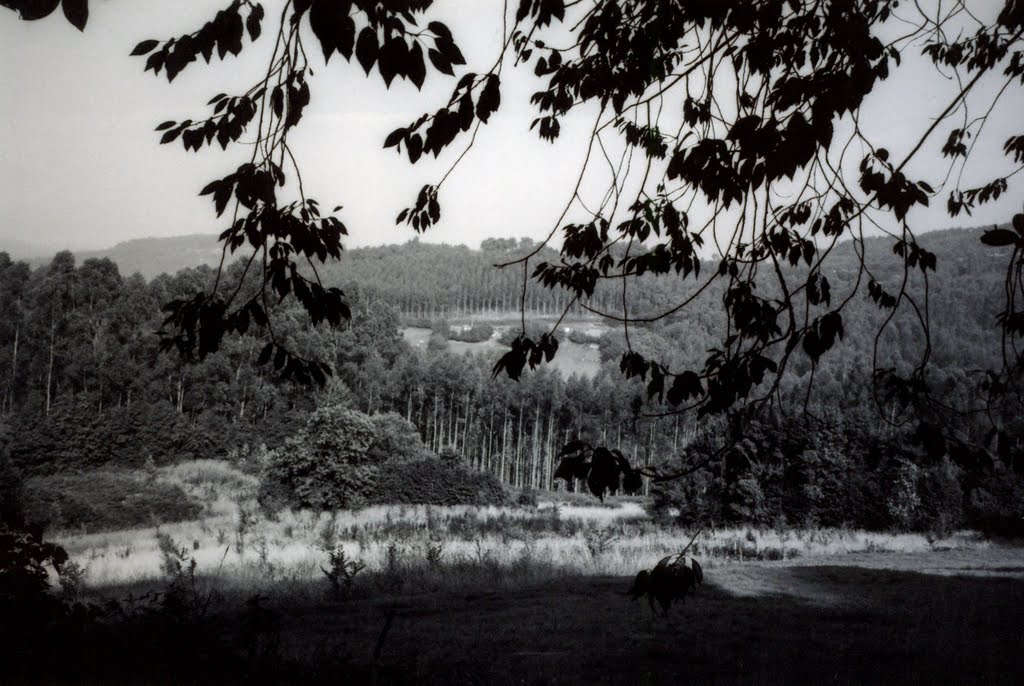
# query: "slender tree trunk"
(14, 370)
(548, 449)
(453, 424)
(181, 392)
(436, 441)
(465, 431)
(490, 442)
(519, 451)
(504, 448)
(535, 475)
(49, 369)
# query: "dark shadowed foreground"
(837, 622)
(938, 617)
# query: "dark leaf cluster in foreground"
(605, 471)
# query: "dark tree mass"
(84, 386)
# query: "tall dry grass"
(422, 548)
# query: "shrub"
(396, 439)
(581, 337)
(342, 572)
(478, 333)
(436, 482)
(901, 497)
(218, 473)
(527, 497)
(994, 504)
(942, 500)
(106, 499)
(12, 496)
(693, 500)
(24, 557)
(333, 463)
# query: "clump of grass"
(71, 578)
(342, 571)
(433, 552)
(599, 541)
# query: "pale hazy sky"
(80, 166)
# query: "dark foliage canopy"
(726, 124)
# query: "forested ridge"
(428, 280)
(84, 385)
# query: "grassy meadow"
(536, 593)
(425, 547)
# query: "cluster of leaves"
(525, 351)
(605, 471)
(776, 135)
(287, 237)
(223, 35)
(671, 579)
(24, 557)
(75, 11)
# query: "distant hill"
(429, 280)
(154, 256)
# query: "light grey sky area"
(81, 168)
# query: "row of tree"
(84, 384)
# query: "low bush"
(325, 467)
(582, 337)
(107, 499)
(527, 497)
(437, 482)
(218, 473)
(478, 333)
(12, 488)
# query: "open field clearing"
(928, 616)
(573, 358)
(537, 594)
(242, 549)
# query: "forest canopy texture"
(729, 130)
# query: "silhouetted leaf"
(76, 12)
(394, 138)
(366, 49)
(572, 447)
(440, 62)
(36, 9)
(253, 22)
(265, 354)
(144, 47)
(999, 237)
(490, 98)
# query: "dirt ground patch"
(950, 617)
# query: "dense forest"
(83, 383)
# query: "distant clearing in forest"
(582, 359)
